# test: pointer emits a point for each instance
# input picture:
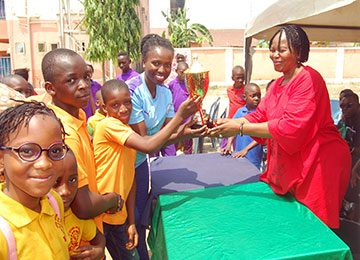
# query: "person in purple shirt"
(124, 64)
(95, 86)
(180, 94)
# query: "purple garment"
(179, 92)
(95, 86)
(128, 75)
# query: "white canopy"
(323, 20)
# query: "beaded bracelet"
(241, 128)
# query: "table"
(245, 221)
(195, 171)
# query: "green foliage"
(181, 34)
(112, 26)
(263, 44)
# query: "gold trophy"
(197, 83)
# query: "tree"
(112, 26)
(181, 35)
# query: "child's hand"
(88, 252)
(118, 207)
(133, 237)
(241, 154)
(186, 130)
(225, 151)
(189, 107)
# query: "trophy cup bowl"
(197, 84)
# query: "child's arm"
(133, 236)
(94, 251)
(245, 151)
(229, 144)
(150, 144)
(87, 204)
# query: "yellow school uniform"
(37, 235)
(78, 140)
(78, 229)
(95, 119)
(115, 163)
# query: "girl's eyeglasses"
(31, 151)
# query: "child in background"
(245, 145)
(77, 229)
(67, 80)
(94, 87)
(115, 146)
(152, 109)
(19, 84)
(99, 114)
(124, 64)
(235, 94)
(180, 94)
(32, 148)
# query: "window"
(2, 9)
(20, 48)
(54, 46)
(176, 4)
(80, 46)
(41, 47)
(5, 66)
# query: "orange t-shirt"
(115, 163)
(78, 140)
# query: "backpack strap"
(9, 236)
(54, 204)
(10, 239)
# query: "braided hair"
(14, 117)
(151, 41)
(297, 40)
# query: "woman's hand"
(185, 130)
(225, 127)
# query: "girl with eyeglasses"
(32, 148)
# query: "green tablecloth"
(239, 222)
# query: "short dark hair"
(153, 40)
(23, 72)
(352, 95)
(297, 40)
(51, 58)
(14, 117)
(123, 53)
(91, 67)
(109, 86)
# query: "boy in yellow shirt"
(32, 148)
(115, 146)
(99, 114)
(77, 229)
(67, 80)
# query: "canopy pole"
(247, 59)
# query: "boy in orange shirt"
(67, 81)
(115, 146)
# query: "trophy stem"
(201, 114)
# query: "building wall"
(30, 22)
(332, 66)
